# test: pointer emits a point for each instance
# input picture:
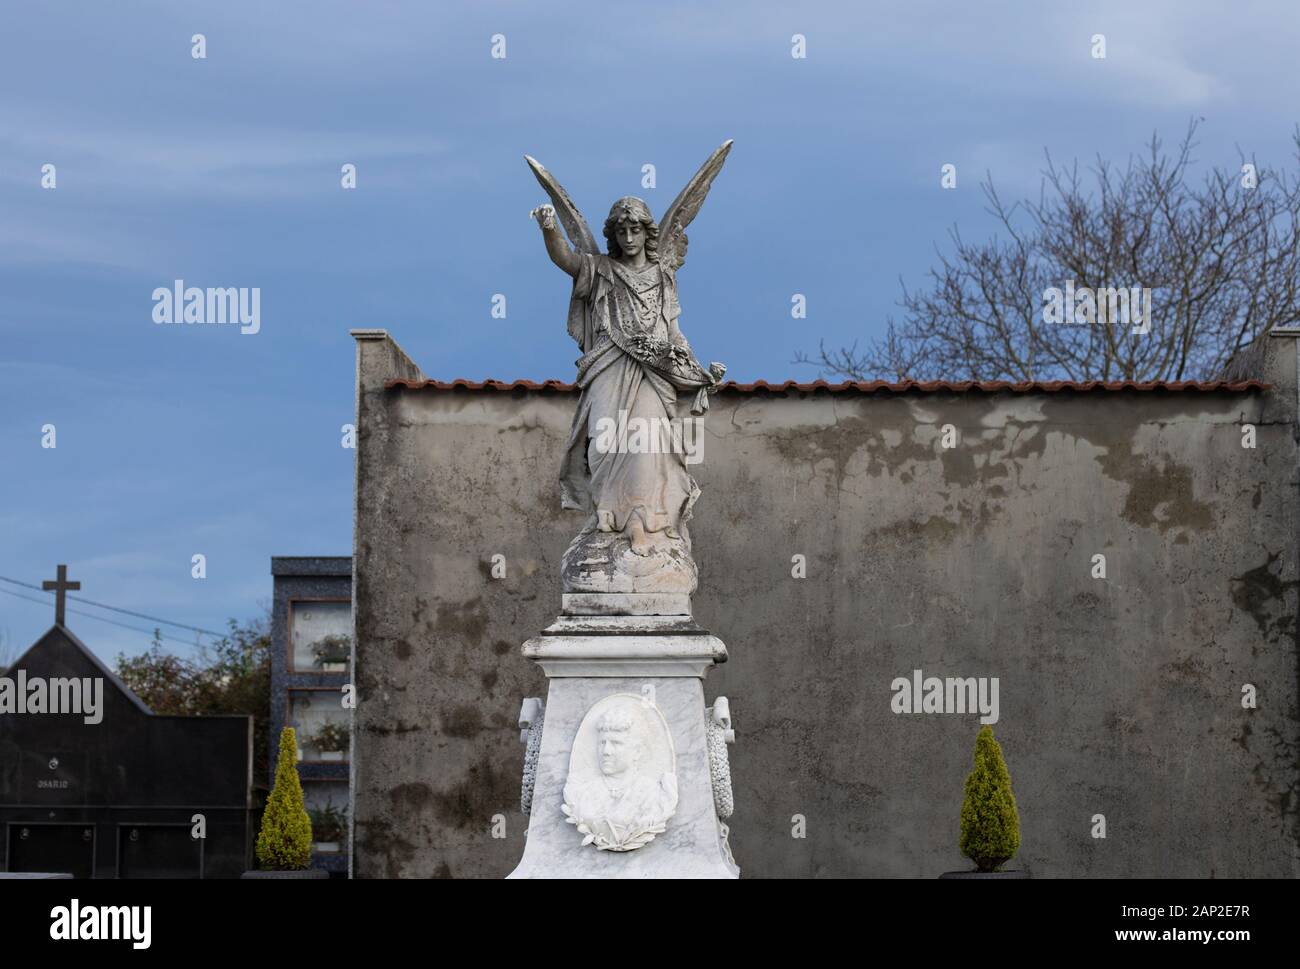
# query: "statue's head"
(630, 228)
(618, 742)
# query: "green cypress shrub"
(990, 826)
(284, 843)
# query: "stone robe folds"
(625, 321)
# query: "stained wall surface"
(1119, 696)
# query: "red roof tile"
(874, 386)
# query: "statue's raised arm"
(574, 224)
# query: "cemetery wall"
(1118, 696)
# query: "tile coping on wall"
(881, 386)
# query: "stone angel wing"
(575, 226)
(672, 227)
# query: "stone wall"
(1118, 696)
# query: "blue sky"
(177, 440)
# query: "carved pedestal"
(626, 773)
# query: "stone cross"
(61, 585)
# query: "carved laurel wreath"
(635, 838)
(719, 768)
(530, 762)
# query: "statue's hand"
(545, 216)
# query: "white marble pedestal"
(660, 656)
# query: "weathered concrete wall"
(1119, 696)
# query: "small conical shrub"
(990, 826)
(284, 843)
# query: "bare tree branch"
(1220, 259)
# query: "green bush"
(284, 843)
(329, 823)
(990, 826)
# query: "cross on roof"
(61, 585)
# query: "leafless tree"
(1221, 259)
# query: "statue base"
(604, 563)
(597, 653)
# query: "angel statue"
(635, 487)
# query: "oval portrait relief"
(622, 784)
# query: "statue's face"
(617, 752)
(630, 236)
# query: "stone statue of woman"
(635, 487)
